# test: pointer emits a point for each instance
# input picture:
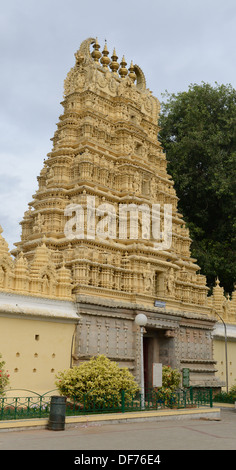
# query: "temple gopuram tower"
(99, 216)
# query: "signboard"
(158, 303)
(156, 374)
(185, 375)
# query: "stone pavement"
(187, 434)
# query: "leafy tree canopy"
(198, 134)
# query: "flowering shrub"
(99, 378)
(170, 382)
(4, 377)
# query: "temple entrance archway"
(157, 348)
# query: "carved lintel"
(170, 333)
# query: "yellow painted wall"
(34, 351)
(219, 356)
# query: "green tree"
(198, 134)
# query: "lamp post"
(226, 355)
(141, 321)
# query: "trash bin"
(57, 413)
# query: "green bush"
(170, 378)
(232, 392)
(99, 378)
(170, 382)
(224, 397)
(4, 377)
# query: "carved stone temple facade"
(106, 153)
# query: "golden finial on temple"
(114, 64)
(105, 61)
(132, 73)
(96, 54)
(123, 70)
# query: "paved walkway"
(187, 434)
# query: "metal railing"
(153, 400)
(38, 406)
(25, 407)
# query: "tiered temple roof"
(106, 148)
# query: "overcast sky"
(174, 42)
